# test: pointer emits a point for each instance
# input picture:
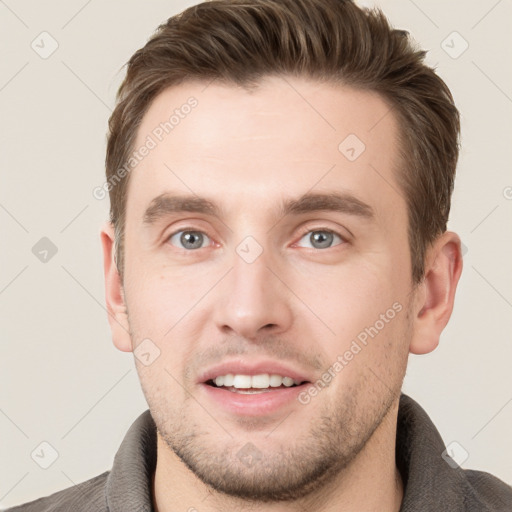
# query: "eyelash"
(305, 232)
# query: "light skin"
(300, 302)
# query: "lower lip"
(255, 404)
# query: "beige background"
(62, 380)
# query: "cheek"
(158, 298)
(161, 391)
(164, 309)
(364, 307)
(368, 358)
(349, 297)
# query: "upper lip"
(241, 367)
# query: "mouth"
(253, 387)
(254, 384)
(253, 395)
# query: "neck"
(370, 482)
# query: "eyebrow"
(166, 204)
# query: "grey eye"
(188, 239)
(321, 239)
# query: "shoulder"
(486, 492)
(86, 496)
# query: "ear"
(436, 293)
(114, 293)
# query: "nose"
(253, 300)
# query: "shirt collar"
(128, 484)
(430, 483)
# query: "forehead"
(287, 136)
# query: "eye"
(189, 239)
(321, 239)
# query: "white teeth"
(288, 381)
(228, 379)
(276, 380)
(261, 381)
(242, 381)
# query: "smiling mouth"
(254, 390)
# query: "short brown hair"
(239, 42)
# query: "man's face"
(257, 288)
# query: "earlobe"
(436, 294)
(114, 293)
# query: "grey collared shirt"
(431, 483)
